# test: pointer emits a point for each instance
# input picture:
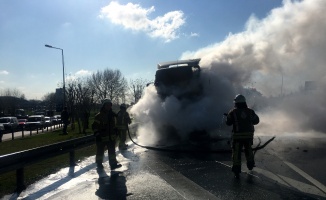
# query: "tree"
(10, 101)
(49, 100)
(71, 100)
(136, 88)
(80, 100)
(84, 102)
(12, 93)
(108, 84)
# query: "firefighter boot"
(115, 166)
(236, 170)
(99, 165)
(251, 165)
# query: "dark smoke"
(269, 63)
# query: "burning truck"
(180, 106)
(179, 79)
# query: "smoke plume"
(269, 62)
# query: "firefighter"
(65, 120)
(243, 120)
(123, 119)
(106, 135)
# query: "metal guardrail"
(18, 160)
(29, 129)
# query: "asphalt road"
(288, 168)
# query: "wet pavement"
(192, 173)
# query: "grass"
(41, 139)
(39, 170)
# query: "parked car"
(35, 121)
(58, 118)
(22, 123)
(47, 121)
(54, 120)
(9, 123)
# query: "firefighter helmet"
(105, 101)
(239, 99)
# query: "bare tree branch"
(108, 84)
(136, 88)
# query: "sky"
(132, 36)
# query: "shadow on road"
(71, 174)
(112, 187)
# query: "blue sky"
(132, 36)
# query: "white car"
(9, 123)
(48, 121)
(35, 121)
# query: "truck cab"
(178, 78)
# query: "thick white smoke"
(273, 57)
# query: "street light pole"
(63, 73)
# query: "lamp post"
(63, 73)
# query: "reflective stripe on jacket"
(246, 135)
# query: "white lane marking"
(271, 175)
(181, 184)
(222, 163)
(286, 181)
(303, 187)
(306, 176)
(302, 173)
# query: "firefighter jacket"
(123, 119)
(243, 121)
(104, 125)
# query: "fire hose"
(149, 147)
(258, 147)
(255, 149)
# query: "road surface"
(290, 167)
